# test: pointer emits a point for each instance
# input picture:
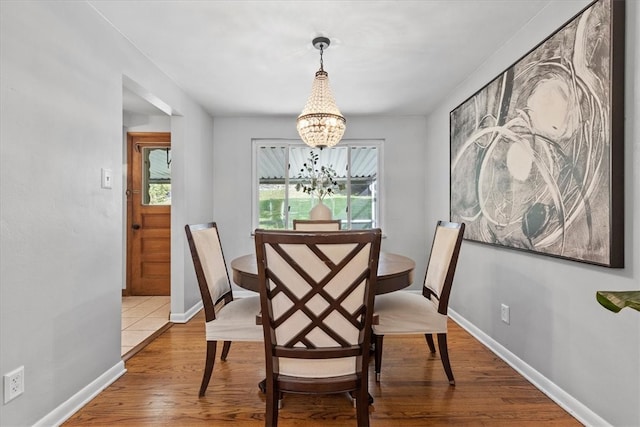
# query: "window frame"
(286, 143)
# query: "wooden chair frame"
(301, 345)
(210, 307)
(443, 303)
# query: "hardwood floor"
(162, 383)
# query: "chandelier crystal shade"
(321, 124)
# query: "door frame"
(132, 139)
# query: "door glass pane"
(272, 167)
(156, 185)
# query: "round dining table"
(395, 272)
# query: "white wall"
(403, 175)
(137, 122)
(62, 69)
(557, 327)
(191, 178)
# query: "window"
(277, 166)
(156, 187)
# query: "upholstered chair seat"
(397, 315)
(237, 322)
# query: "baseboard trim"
(186, 316)
(81, 398)
(570, 404)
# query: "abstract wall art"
(537, 154)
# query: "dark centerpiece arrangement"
(318, 182)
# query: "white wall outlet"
(106, 178)
(13, 384)
(504, 313)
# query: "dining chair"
(316, 295)
(316, 224)
(227, 319)
(405, 313)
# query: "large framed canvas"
(537, 154)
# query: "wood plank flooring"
(162, 382)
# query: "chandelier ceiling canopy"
(321, 124)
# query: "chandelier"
(321, 124)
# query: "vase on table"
(320, 212)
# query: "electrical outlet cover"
(13, 384)
(504, 313)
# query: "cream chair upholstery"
(404, 313)
(316, 224)
(316, 294)
(227, 319)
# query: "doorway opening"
(149, 214)
(146, 297)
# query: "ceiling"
(247, 58)
(134, 103)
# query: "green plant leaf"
(617, 300)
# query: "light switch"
(106, 178)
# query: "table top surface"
(395, 272)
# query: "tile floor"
(142, 316)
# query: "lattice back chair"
(227, 319)
(404, 313)
(316, 294)
(316, 224)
